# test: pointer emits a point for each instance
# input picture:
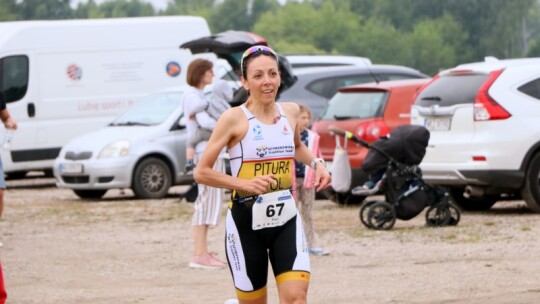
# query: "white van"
(65, 78)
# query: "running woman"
(262, 224)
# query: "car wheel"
(531, 188)
(152, 178)
(473, 203)
(90, 194)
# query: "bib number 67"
(271, 209)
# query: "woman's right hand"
(259, 184)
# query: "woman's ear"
(244, 83)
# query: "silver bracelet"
(315, 161)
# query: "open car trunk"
(230, 45)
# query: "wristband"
(315, 161)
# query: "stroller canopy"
(405, 144)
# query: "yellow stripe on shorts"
(251, 295)
(293, 276)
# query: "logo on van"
(74, 72)
(173, 69)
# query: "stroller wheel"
(364, 212)
(438, 215)
(381, 216)
(455, 215)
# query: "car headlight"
(115, 149)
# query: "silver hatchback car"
(142, 149)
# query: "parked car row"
(143, 149)
(484, 145)
(370, 111)
(316, 86)
(485, 137)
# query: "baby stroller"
(396, 158)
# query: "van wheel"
(473, 203)
(152, 178)
(531, 188)
(90, 194)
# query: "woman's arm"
(9, 123)
(229, 128)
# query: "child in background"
(305, 181)
(222, 94)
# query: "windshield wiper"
(129, 123)
(435, 98)
(339, 117)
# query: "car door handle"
(31, 109)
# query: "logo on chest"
(257, 133)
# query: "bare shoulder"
(292, 109)
(232, 125)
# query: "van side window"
(531, 88)
(14, 77)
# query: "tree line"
(428, 35)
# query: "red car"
(370, 111)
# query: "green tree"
(239, 14)
(43, 9)
(302, 27)
(7, 9)
(202, 8)
(123, 8)
(436, 44)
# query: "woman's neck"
(267, 113)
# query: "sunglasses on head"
(257, 49)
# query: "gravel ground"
(59, 249)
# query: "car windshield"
(354, 105)
(152, 110)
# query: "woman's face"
(263, 78)
(303, 121)
(207, 78)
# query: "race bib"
(273, 209)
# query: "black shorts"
(248, 251)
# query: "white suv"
(484, 120)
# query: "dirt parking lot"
(59, 249)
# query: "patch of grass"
(526, 228)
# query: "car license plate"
(72, 168)
(437, 124)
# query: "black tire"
(364, 212)
(90, 194)
(152, 178)
(473, 203)
(381, 216)
(438, 215)
(531, 187)
(455, 215)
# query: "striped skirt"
(207, 206)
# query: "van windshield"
(152, 110)
(354, 105)
(14, 77)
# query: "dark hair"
(196, 70)
(254, 52)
